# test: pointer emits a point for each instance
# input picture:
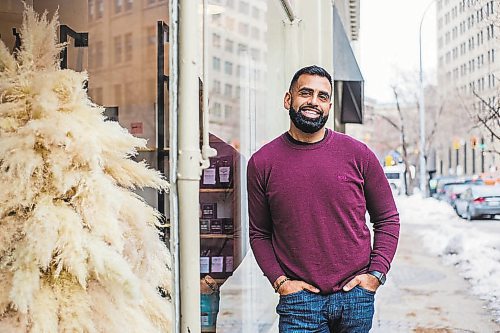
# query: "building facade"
(468, 82)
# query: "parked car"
(452, 192)
(479, 201)
(443, 183)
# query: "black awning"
(347, 74)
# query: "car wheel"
(468, 215)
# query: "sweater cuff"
(274, 275)
(378, 267)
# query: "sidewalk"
(421, 295)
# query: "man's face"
(309, 102)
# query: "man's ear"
(287, 100)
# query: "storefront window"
(245, 112)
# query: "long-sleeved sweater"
(307, 206)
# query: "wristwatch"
(379, 275)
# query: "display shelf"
(216, 190)
(213, 236)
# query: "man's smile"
(310, 113)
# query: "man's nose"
(314, 100)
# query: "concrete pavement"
(423, 295)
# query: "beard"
(305, 124)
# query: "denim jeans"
(340, 312)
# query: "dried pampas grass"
(79, 251)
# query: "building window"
(128, 47)
(244, 8)
(216, 63)
(255, 54)
(228, 68)
(229, 45)
(100, 9)
(255, 13)
(243, 29)
(216, 111)
(242, 48)
(216, 87)
(216, 40)
(118, 6)
(228, 109)
(91, 9)
(118, 49)
(129, 4)
(228, 90)
(217, 20)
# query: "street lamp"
(421, 107)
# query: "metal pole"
(473, 161)
(421, 108)
(189, 171)
(465, 158)
(482, 155)
(449, 159)
(160, 113)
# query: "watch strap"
(379, 275)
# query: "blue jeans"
(340, 312)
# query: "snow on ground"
(473, 247)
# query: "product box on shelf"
(227, 226)
(216, 226)
(225, 171)
(208, 210)
(204, 226)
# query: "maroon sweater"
(307, 206)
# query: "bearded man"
(308, 192)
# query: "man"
(308, 192)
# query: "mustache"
(310, 108)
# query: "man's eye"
(305, 93)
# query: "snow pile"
(472, 247)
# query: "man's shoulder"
(349, 144)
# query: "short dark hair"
(311, 70)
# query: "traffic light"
(389, 160)
(473, 142)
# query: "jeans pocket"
(293, 294)
(366, 291)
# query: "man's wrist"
(279, 282)
(379, 275)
